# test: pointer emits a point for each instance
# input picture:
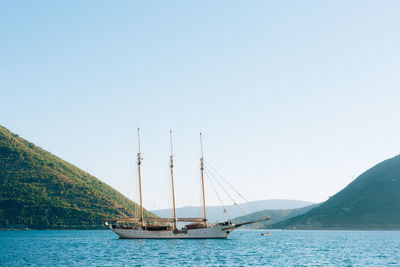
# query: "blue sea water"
(242, 248)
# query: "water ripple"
(242, 248)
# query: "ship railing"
(190, 219)
(146, 219)
(168, 220)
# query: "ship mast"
(171, 164)
(202, 179)
(139, 161)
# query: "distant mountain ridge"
(275, 215)
(372, 201)
(216, 213)
(41, 191)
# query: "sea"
(241, 248)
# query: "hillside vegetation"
(41, 191)
(372, 201)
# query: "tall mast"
(171, 164)
(202, 179)
(139, 161)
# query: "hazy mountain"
(275, 215)
(216, 213)
(372, 201)
(39, 190)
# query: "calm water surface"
(243, 247)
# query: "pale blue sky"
(295, 98)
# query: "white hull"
(211, 232)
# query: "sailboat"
(167, 228)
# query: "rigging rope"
(225, 210)
(237, 192)
(208, 167)
(226, 192)
(208, 170)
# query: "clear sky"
(295, 98)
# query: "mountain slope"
(42, 191)
(372, 201)
(275, 215)
(216, 213)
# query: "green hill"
(275, 215)
(372, 201)
(41, 191)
